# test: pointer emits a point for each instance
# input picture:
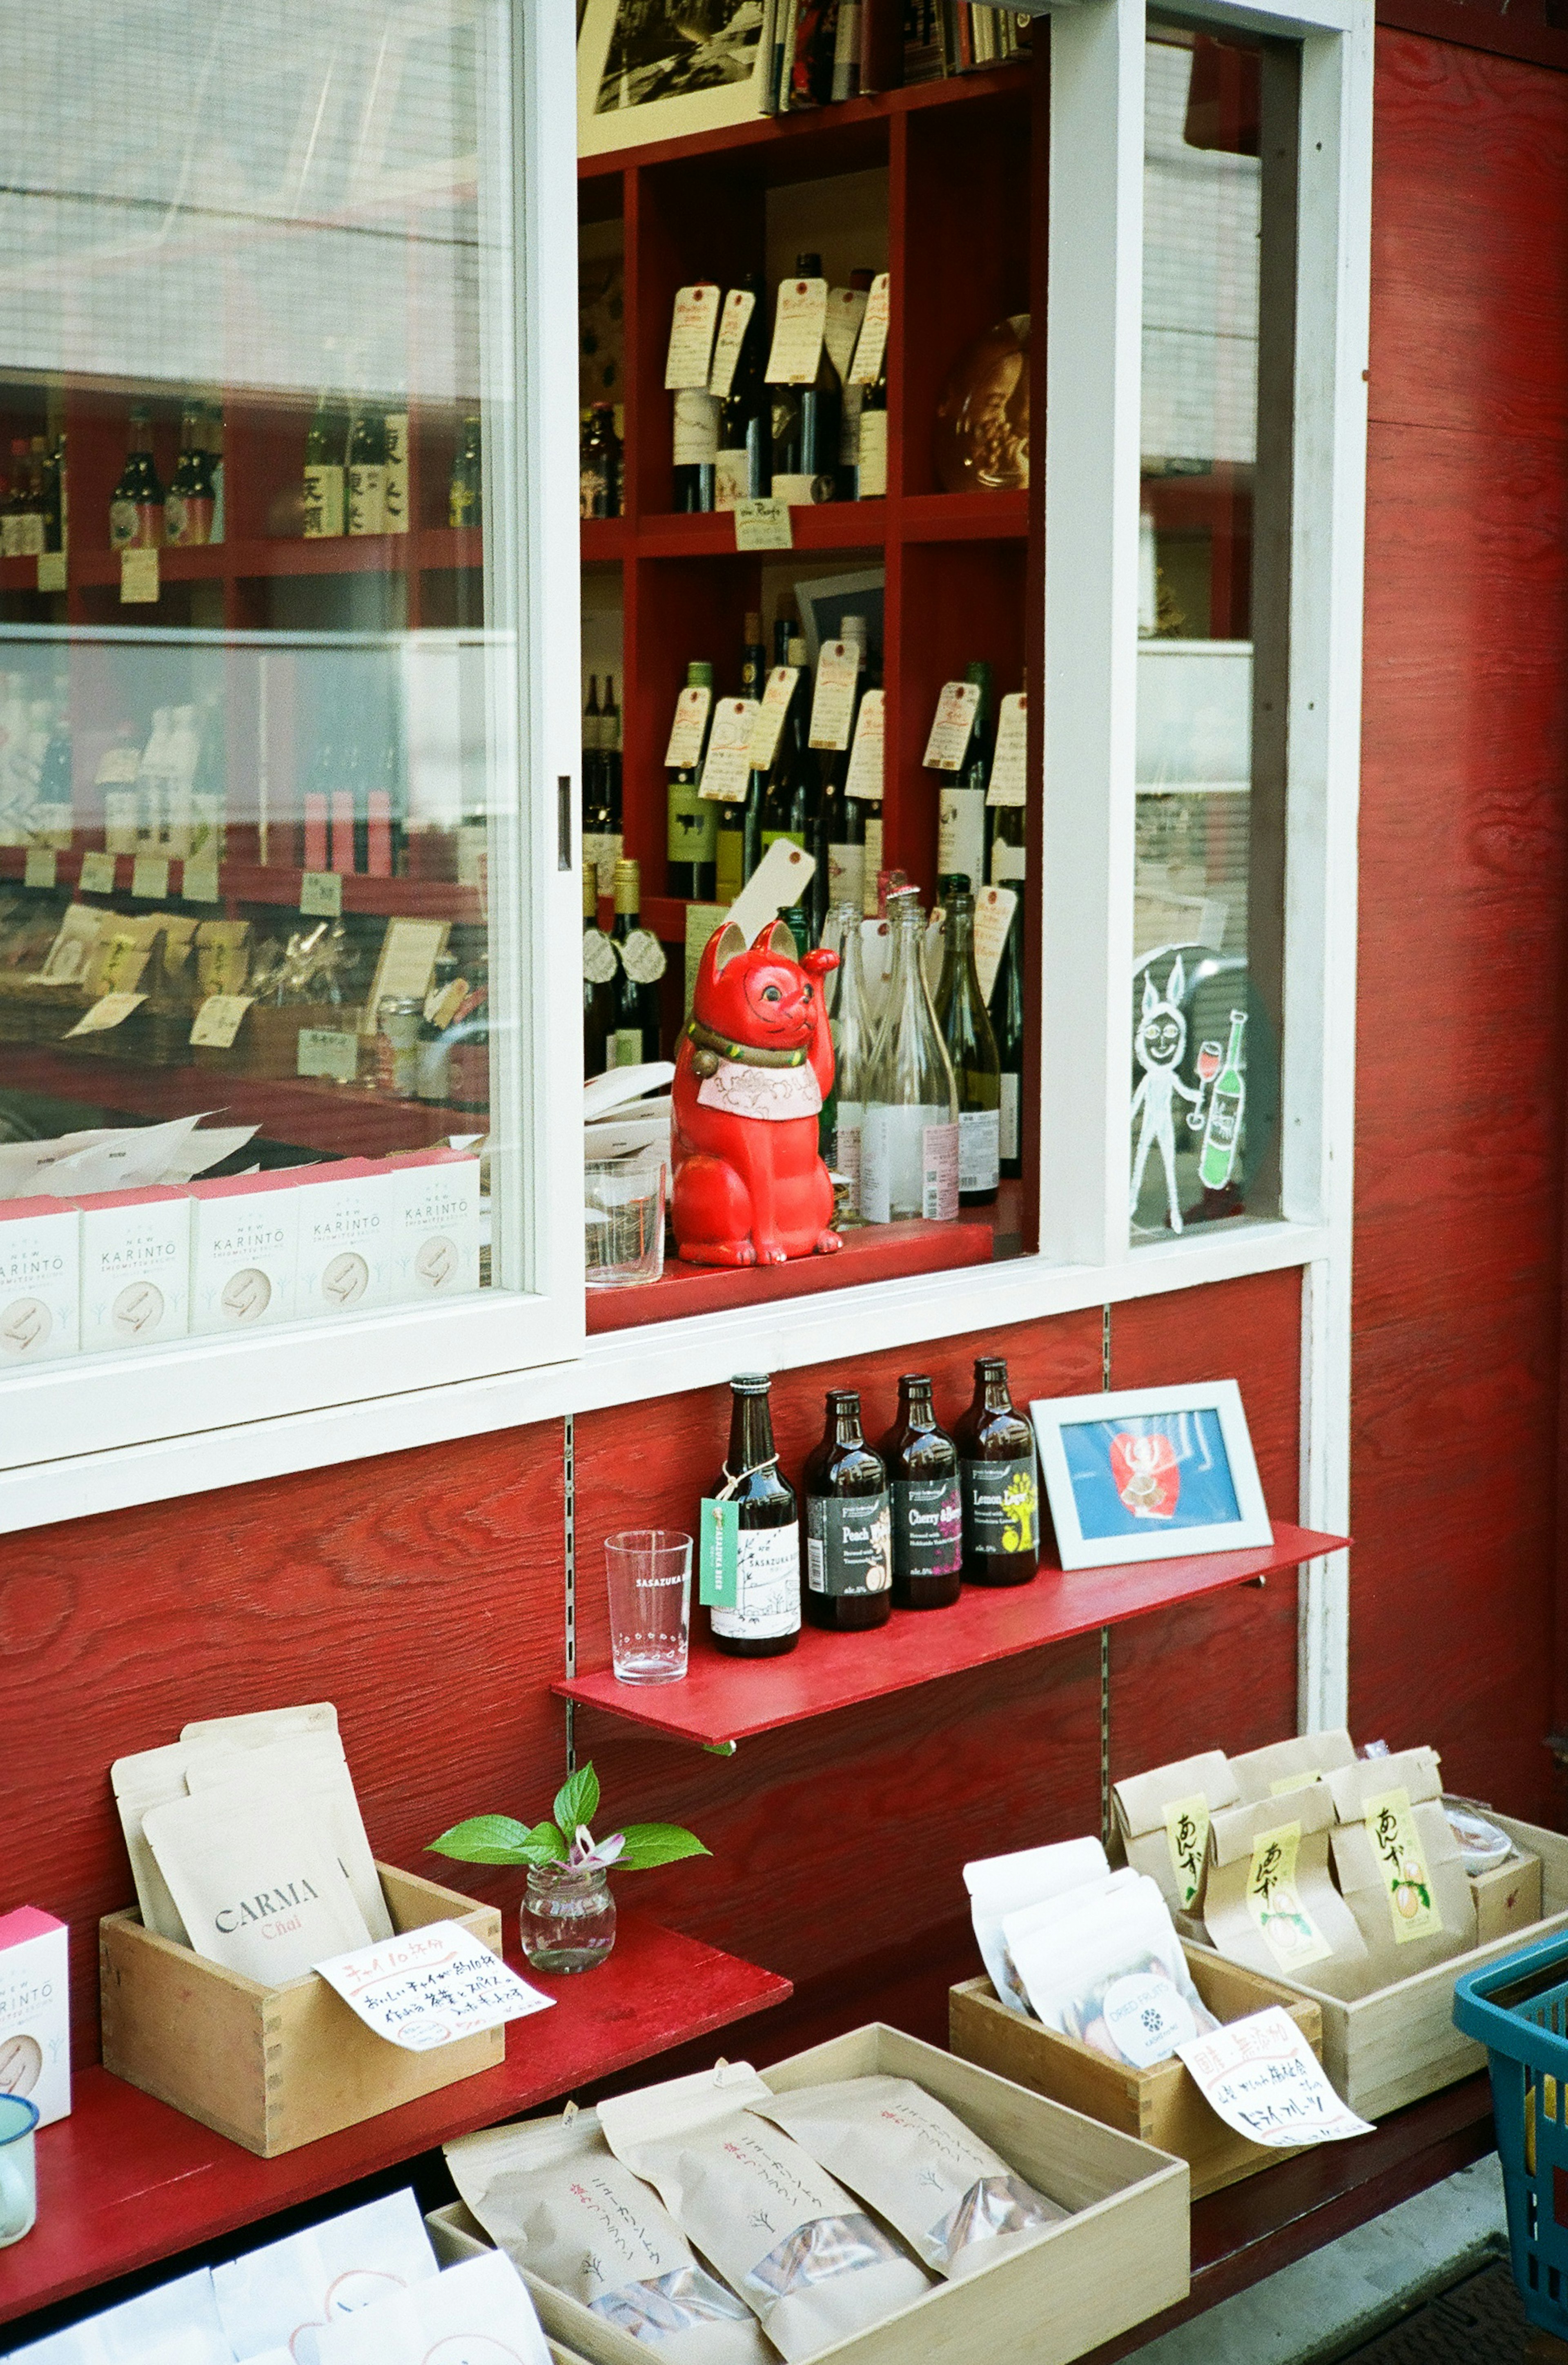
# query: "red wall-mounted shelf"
(126, 2181)
(256, 883)
(725, 1700)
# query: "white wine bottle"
(909, 1138)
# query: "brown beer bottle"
(848, 1548)
(1000, 1484)
(765, 1620)
(922, 1474)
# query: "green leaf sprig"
(568, 1840)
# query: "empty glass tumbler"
(18, 2193)
(649, 1572)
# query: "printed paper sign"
(1283, 1921)
(1187, 1836)
(1008, 763)
(951, 725)
(97, 874)
(798, 327)
(770, 716)
(733, 322)
(218, 1021)
(321, 894)
(719, 1531)
(872, 341)
(1396, 1843)
(763, 524)
(198, 882)
(687, 729)
(109, 1010)
(865, 775)
(51, 570)
(1263, 2079)
(150, 877)
(138, 578)
(695, 318)
(324, 1052)
(841, 329)
(728, 767)
(39, 868)
(431, 1987)
(994, 907)
(832, 697)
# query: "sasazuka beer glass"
(649, 1572)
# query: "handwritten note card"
(429, 1987)
(1263, 2079)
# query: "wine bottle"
(691, 824)
(791, 806)
(805, 422)
(972, 1047)
(848, 1539)
(187, 505)
(634, 1035)
(610, 748)
(601, 963)
(212, 445)
(463, 489)
(851, 1056)
(694, 449)
(871, 447)
(325, 477)
(850, 400)
(960, 835)
(1000, 1479)
(927, 1508)
(1228, 1099)
(367, 473)
(738, 845)
(909, 1139)
(1008, 865)
(842, 865)
(765, 1620)
(744, 468)
(136, 508)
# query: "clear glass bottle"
(765, 1620)
(909, 1138)
(851, 1056)
(567, 1920)
(1009, 863)
(848, 1542)
(999, 1477)
(972, 1047)
(928, 1506)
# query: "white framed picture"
(663, 69)
(1149, 1473)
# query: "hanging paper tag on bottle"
(39, 870)
(872, 341)
(734, 321)
(770, 716)
(994, 907)
(832, 698)
(695, 318)
(97, 874)
(198, 882)
(686, 730)
(719, 1527)
(1008, 773)
(798, 328)
(951, 725)
(865, 775)
(728, 766)
(150, 877)
(841, 331)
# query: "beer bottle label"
(927, 1527)
(848, 1543)
(1001, 1504)
(768, 1586)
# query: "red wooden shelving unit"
(253, 883)
(126, 2181)
(336, 1118)
(724, 1699)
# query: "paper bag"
(1283, 1765)
(1417, 1772)
(1404, 1879)
(1269, 1903)
(477, 2314)
(285, 2295)
(1162, 1820)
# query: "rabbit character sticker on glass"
(753, 1067)
(1158, 1045)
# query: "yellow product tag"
(1293, 1782)
(1284, 1923)
(1187, 1835)
(1391, 1827)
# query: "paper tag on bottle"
(1187, 1837)
(321, 894)
(841, 326)
(694, 439)
(728, 766)
(600, 961)
(51, 570)
(109, 1010)
(322, 1051)
(218, 1021)
(833, 697)
(150, 877)
(198, 882)
(138, 578)
(687, 729)
(1282, 1920)
(1145, 2017)
(1008, 763)
(798, 327)
(777, 884)
(865, 775)
(763, 524)
(770, 716)
(39, 870)
(719, 1527)
(951, 725)
(643, 957)
(734, 321)
(1396, 1843)
(97, 874)
(871, 343)
(692, 323)
(431, 1987)
(994, 907)
(1262, 2078)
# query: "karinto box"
(136, 1268)
(343, 1260)
(243, 1237)
(35, 2012)
(39, 1280)
(435, 1236)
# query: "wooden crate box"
(1161, 2106)
(273, 2067)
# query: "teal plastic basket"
(1518, 2009)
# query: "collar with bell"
(709, 1049)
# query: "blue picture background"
(1208, 1495)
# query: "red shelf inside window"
(731, 1700)
(880, 1252)
(255, 883)
(126, 2180)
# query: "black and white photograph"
(658, 69)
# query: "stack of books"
(819, 53)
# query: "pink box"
(35, 2012)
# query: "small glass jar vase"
(567, 1918)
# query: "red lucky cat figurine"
(754, 1069)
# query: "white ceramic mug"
(18, 2190)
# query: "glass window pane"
(1213, 554)
(258, 696)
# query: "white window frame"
(499, 1363)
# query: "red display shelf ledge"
(126, 2181)
(821, 525)
(725, 1700)
(878, 1252)
(439, 547)
(339, 1118)
(827, 526)
(237, 883)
